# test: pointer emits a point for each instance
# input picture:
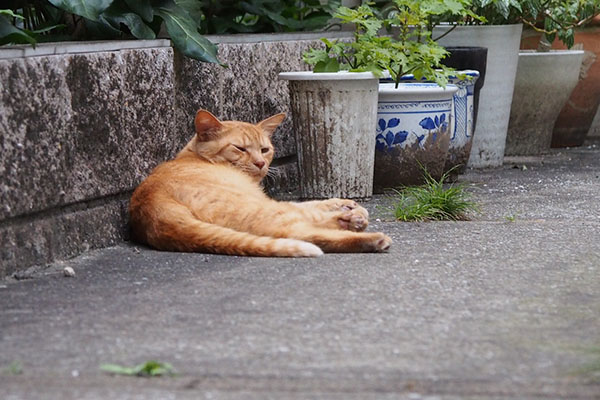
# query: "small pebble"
(69, 272)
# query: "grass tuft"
(432, 201)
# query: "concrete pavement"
(505, 306)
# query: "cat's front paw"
(355, 220)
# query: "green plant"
(356, 56)
(433, 201)
(143, 20)
(498, 12)
(590, 370)
(511, 218)
(147, 369)
(14, 368)
(411, 50)
(228, 16)
(102, 19)
(28, 22)
(31, 21)
(558, 18)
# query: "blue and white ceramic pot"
(413, 132)
(463, 117)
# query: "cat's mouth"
(252, 171)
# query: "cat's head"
(243, 145)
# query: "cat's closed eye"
(240, 148)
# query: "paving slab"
(504, 306)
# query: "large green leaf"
(331, 65)
(10, 34)
(184, 33)
(143, 8)
(193, 8)
(11, 14)
(118, 14)
(90, 9)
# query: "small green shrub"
(432, 201)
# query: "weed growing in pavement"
(147, 369)
(591, 370)
(14, 368)
(433, 201)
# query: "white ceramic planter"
(550, 76)
(412, 131)
(333, 116)
(502, 42)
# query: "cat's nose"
(259, 164)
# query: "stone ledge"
(62, 233)
(277, 37)
(60, 48)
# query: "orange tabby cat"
(209, 199)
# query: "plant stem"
(445, 33)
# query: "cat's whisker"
(273, 172)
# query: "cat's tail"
(178, 230)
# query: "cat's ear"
(270, 124)
(207, 125)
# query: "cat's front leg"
(334, 204)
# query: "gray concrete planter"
(334, 115)
(543, 84)
(502, 42)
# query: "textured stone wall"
(79, 131)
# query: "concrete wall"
(79, 130)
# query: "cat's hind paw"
(383, 243)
